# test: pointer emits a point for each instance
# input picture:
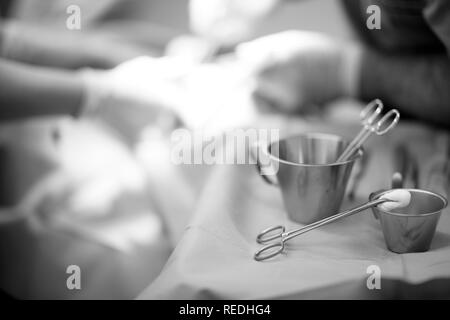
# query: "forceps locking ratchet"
(269, 234)
(373, 122)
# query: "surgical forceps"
(276, 248)
(372, 122)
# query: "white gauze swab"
(398, 199)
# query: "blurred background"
(67, 164)
(86, 181)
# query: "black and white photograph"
(245, 151)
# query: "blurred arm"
(65, 49)
(28, 91)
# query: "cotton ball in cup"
(397, 199)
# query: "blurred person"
(129, 97)
(406, 63)
(47, 70)
(110, 32)
(38, 34)
(96, 205)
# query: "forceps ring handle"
(372, 111)
(391, 113)
(264, 236)
(259, 255)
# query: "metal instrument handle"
(379, 130)
(286, 236)
(263, 235)
(261, 254)
(294, 233)
(371, 112)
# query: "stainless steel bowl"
(312, 183)
(411, 229)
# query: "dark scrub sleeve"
(418, 86)
(407, 62)
(5, 6)
(437, 15)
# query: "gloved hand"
(135, 94)
(293, 69)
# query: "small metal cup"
(312, 183)
(411, 229)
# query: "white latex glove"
(218, 98)
(297, 68)
(135, 94)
